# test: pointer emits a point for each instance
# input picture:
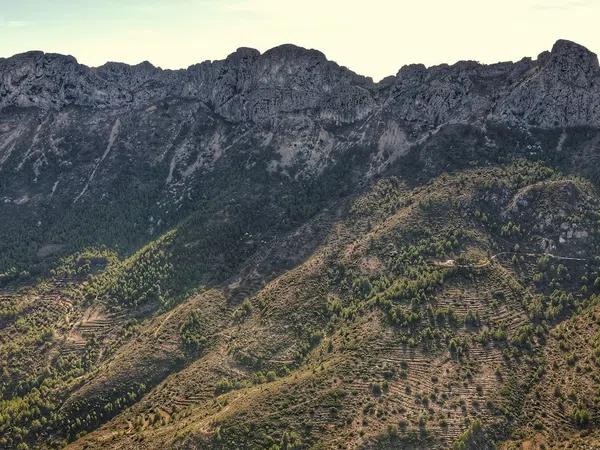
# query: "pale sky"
(372, 37)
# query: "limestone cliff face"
(561, 90)
(73, 134)
(248, 86)
(244, 86)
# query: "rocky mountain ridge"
(249, 86)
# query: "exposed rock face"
(245, 86)
(287, 90)
(250, 86)
(73, 134)
(561, 88)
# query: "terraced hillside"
(417, 285)
(363, 342)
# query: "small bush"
(376, 389)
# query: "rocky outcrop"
(287, 112)
(245, 86)
(559, 89)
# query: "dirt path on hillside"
(452, 262)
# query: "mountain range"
(272, 251)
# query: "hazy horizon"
(374, 41)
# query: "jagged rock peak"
(294, 51)
(244, 52)
(40, 57)
(574, 61)
(562, 91)
(565, 48)
(119, 66)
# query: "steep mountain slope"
(271, 251)
(80, 146)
